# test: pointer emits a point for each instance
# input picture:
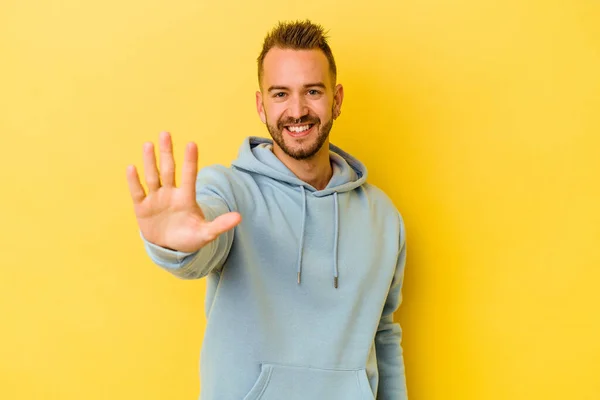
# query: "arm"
(390, 358)
(212, 189)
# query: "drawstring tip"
(298, 278)
(335, 282)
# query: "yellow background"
(479, 118)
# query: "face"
(298, 101)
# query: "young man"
(302, 290)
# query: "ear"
(260, 108)
(338, 98)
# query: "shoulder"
(218, 175)
(377, 193)
(384, 205)
(380, 198)
(217, 181)
(227, 182)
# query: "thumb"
(223, 223)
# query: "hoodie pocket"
(276, 382)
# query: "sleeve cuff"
(164, 257)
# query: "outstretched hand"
(167, 215)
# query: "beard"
(307, 149)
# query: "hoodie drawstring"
(335, 242)
(335, 239)
(302, 234)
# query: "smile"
(299, 130)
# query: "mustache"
(307, 119)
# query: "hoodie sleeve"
(390, 358)
(214, 195)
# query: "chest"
(354, 240)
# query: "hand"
(169, 216)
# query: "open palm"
(167, 215)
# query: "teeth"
(298, 129)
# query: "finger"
(135, 186)
(167, 163)
(222, 224)
(150, 170)
(190, 170)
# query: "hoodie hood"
(256, 155)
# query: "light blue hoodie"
(300, 295)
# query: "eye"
(314, 92)
(279, 94)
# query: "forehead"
(288, 67)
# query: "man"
(300, 292)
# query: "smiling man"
(304, 259)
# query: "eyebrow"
(318, 84)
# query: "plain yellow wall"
(479, 118)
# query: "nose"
(298, 107)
